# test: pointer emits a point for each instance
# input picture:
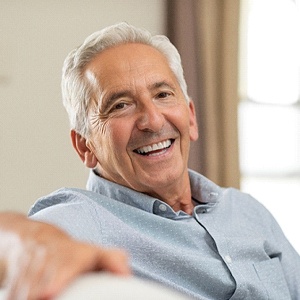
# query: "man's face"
(141, 125)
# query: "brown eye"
(120, 105)
(163, 95)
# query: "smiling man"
(140, 124)
(132, 123)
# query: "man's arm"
(39, 259)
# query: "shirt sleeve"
(72, 212)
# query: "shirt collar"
(120, 193)
(204, 192)
(203, 189)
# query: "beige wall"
(36, 156)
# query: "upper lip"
(154, 146)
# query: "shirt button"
(228, 259)
(201, 210)
(213, 194)
(162, 207)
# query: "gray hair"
(77, 89)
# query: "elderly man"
(132, 123)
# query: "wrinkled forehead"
(129, 65)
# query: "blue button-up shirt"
(229, 248)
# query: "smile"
(148, 150)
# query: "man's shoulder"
(79, 212)
(66, 196)
(246, 207)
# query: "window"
(269, 111)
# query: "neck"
(177, 195)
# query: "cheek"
(118, 134)
(180, 119)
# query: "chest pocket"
(271, 275)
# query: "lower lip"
(160, 152)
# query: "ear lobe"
(85, 153)
(193, 122)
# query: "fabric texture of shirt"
(229, 248)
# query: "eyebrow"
(114, 96)
(117, 95)
(160, 84)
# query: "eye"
(120, 105)
(163, 95)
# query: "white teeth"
(159, 146)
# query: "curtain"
(205, 33)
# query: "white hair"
(77, 89)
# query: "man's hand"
(38, 260)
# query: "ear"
(193, 122)
(85, 153)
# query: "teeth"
(154, 147)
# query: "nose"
(150, 117)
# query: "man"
(131, 123)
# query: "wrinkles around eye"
(102, 115)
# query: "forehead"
(128, 64)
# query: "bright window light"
(269, 140)
(269, 111)
(273, 58)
